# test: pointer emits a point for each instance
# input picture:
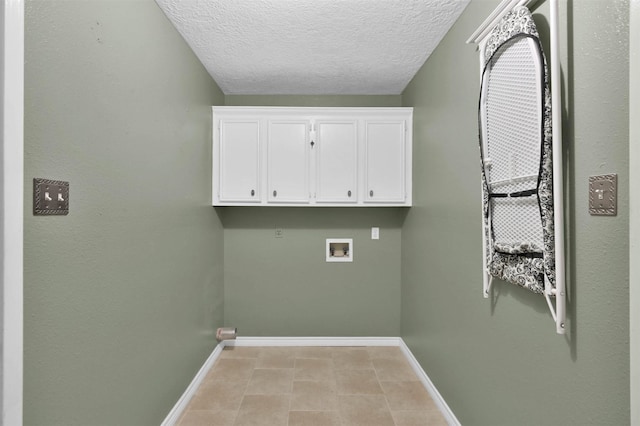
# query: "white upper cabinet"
(336, 161)
(385, 161)
(288, 161)
(289, 156)
(239, 165)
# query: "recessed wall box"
(339, 250)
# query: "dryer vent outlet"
(226, 333)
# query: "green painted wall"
(284, 286)
(634, 208)
(500, 362)
(315, 100)
(122, 296)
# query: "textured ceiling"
(312, 46)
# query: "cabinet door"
(288, 161)
(239, 161)
(336, 161)
(385, 161)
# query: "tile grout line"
(293, 375)
(246, 387)
(330, 358)
(383, 393)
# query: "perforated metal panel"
(517, 220)
(512, 112)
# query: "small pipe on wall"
(226, 333)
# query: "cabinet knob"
(349, 193)
(253, 192)
(275, 193)
(371, 193)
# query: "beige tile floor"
(291, 386)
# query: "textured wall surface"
(285, 287)
(122, 296)
(314, 47)
(634, 209)
(501, 363)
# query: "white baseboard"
(314, 341)
(176, 412)
(428, 384)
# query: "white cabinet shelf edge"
(308, 156)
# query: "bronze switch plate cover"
(50, 197)
(603, 195)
